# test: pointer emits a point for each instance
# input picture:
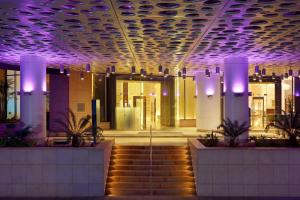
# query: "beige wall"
(80, 92)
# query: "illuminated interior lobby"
(152, 75)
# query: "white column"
(208, 101)
(236, 91)
(33, 101)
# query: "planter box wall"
(54, 171)
(246, 172)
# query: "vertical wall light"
(142, 72)
(254, 77)
(88, 68)
(160, 69)
(61, 69)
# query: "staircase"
(130, 171)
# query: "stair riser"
(130, 172)
(147, 167)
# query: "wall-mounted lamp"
(263, 72)
(207, 73)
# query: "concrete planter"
(246, 172)
(54, 171)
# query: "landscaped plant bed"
(54, 172)
(246, 171)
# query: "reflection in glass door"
(257, 112)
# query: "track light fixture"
(88, 68)
(217, 70)
(68, 72)
(263, 72)
(290, 72)
(207, 73)
(160, 69)
(184, 71)
(133, 70)
(179, 74)
(256, 69)
(113, 69)
(61, 69)
(273, 76)
(166, 72)
(81, 76)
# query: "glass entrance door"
(257, 112)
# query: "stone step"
(135, 192)
(153, 147)
(149, 185)
(148, 167)
(166, 173)
(147, 162)
(177, 179)
(147, 151)
(146, 156)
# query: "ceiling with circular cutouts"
(147, 33)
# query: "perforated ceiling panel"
(146, 33)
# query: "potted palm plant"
(77, 131)
(289, 125)
(232, 130)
